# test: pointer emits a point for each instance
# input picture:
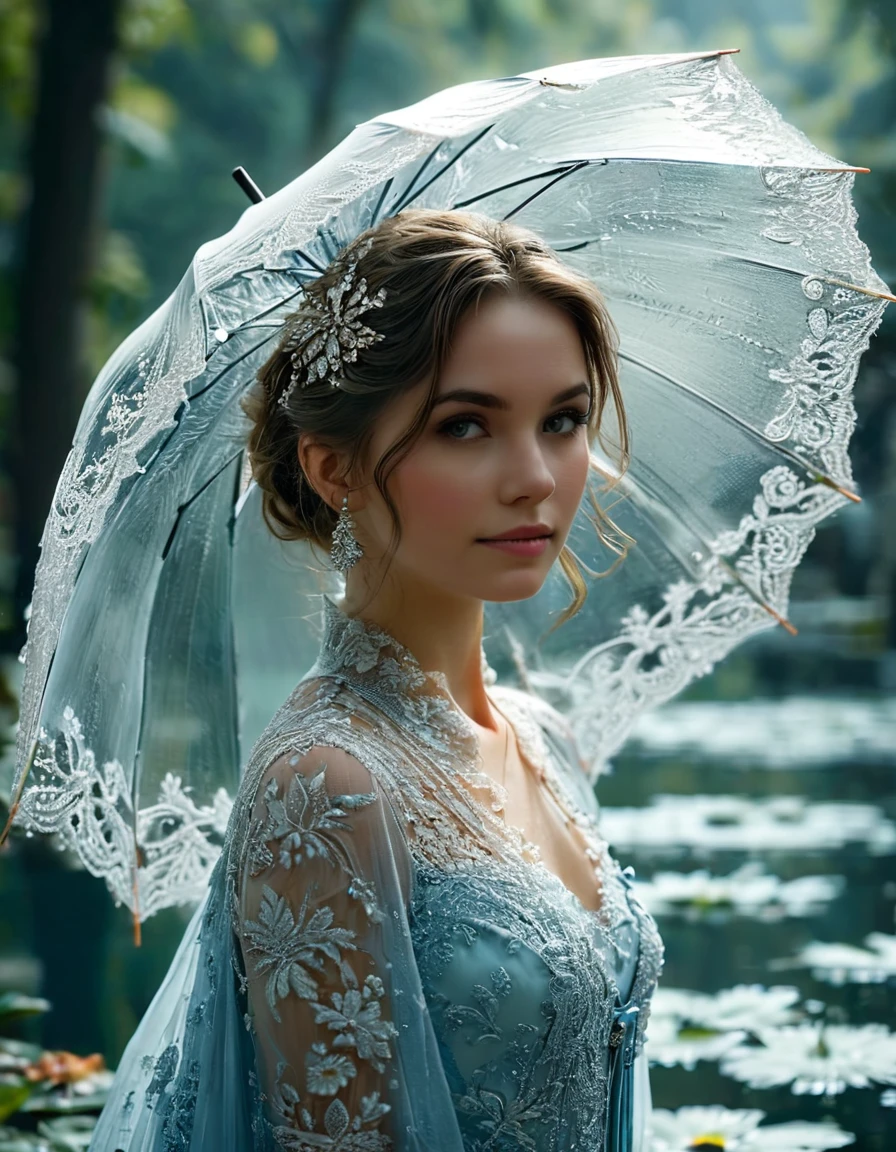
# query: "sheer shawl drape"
(294, 1013)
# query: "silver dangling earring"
(345, 550)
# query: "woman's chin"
(513, 586)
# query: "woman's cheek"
(438, 500)
(571, 475)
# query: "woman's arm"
(310, 922)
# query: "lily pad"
(13, 1140)
(17, 1053)
(14, 1091)
(56, 1103)
(87, 1095)
(16, 1006)
(68, 1134)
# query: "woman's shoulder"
(342, 772)
(544, 722)
(313, 735)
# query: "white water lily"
(844, 963)
(671, 1042)
(736, 823)
(797, 731)
(738, 1130)
(816, 1059)
(745, 1006)
(679, 1004)
(753, 1006)
(688, 1026)
(748, 891)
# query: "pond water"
(763, 836)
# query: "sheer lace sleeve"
(310, 922)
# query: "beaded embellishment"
(333, 334)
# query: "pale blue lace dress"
(381, 962)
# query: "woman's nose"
(526, 473)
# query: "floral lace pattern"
(525, 1046)
(90, 810)
(380, 961)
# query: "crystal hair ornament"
(333, 334)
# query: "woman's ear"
(324, 468)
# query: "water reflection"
(704, 824)
(750, 890)
(762, 835)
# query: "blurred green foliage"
(49, 1101)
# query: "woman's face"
(504, 449)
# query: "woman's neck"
(444, 634)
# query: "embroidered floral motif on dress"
(382, 962)
(518, 979)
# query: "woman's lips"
(534, 546)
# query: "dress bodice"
(381, 963)
(524, 989)
(532, 996)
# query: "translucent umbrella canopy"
(168, 624)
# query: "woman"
(415, 938)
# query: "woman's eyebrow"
(489, 400)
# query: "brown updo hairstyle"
(435, 266)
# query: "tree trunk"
(333, 48)
(56, 250)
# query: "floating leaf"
(15, 1006)
(14, 1091)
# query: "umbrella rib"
(820, 276)
(732, 417)
(16, 798)
(245, 355)
(312, 263)
(254, 327)
(192, 399)
(516, 183)
(383, 195)
(409, 192)
(405, 200)
(139, 856)
(247, 327)
(183, 507)
(567, 172)
(855, 288)
(330, 255)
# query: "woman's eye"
(572, 417)
(447, 429)
(575, 418)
